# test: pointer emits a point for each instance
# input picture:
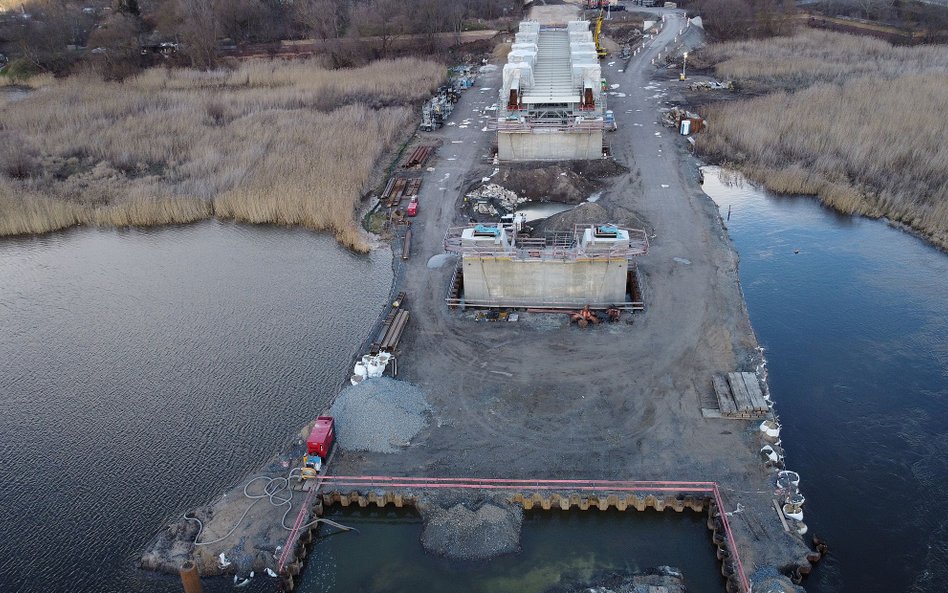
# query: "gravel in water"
(464, 534)
(380, 415)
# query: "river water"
(143, 371)
(853, 314)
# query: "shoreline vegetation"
(288, 143)
(853, 120)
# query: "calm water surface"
(387, 557)
(854, 316)
(142, 372)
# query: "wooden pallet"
(739, 396)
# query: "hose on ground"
(277, 491)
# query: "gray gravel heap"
(460, 533)
(379, 415)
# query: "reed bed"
(869, 141)
(814, 56)
(269, 142)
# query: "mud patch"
(571, 182)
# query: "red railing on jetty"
(368, 482)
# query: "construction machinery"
(597, 35)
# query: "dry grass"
(871, 144)
(813, 56)
(270, 142)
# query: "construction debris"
(463, 76)
(711, 85)
(490, 199)
(685, 121)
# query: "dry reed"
(269, 142)
(813, 56)
(867, 144)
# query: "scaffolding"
(552, 73)
(584, 242)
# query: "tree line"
(59, 35)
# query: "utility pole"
(684, 60)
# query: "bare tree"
(727, 19)
(323, 19)
(868, 8)
(200, 29)
(120, 54)
(44, 39)
(250, 20)
(383, 19)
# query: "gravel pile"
(460, 533)
(590, 213)
(380, 415)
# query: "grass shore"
(269, 142)
(853, 120)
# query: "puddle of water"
(537, 210)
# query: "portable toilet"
(321, 437)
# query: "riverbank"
(286, 143)
(844, 118)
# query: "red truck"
(412, 209)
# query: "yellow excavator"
(600, 50)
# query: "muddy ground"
(569, 182)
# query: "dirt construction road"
(538, 398)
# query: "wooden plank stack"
(739, 395)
